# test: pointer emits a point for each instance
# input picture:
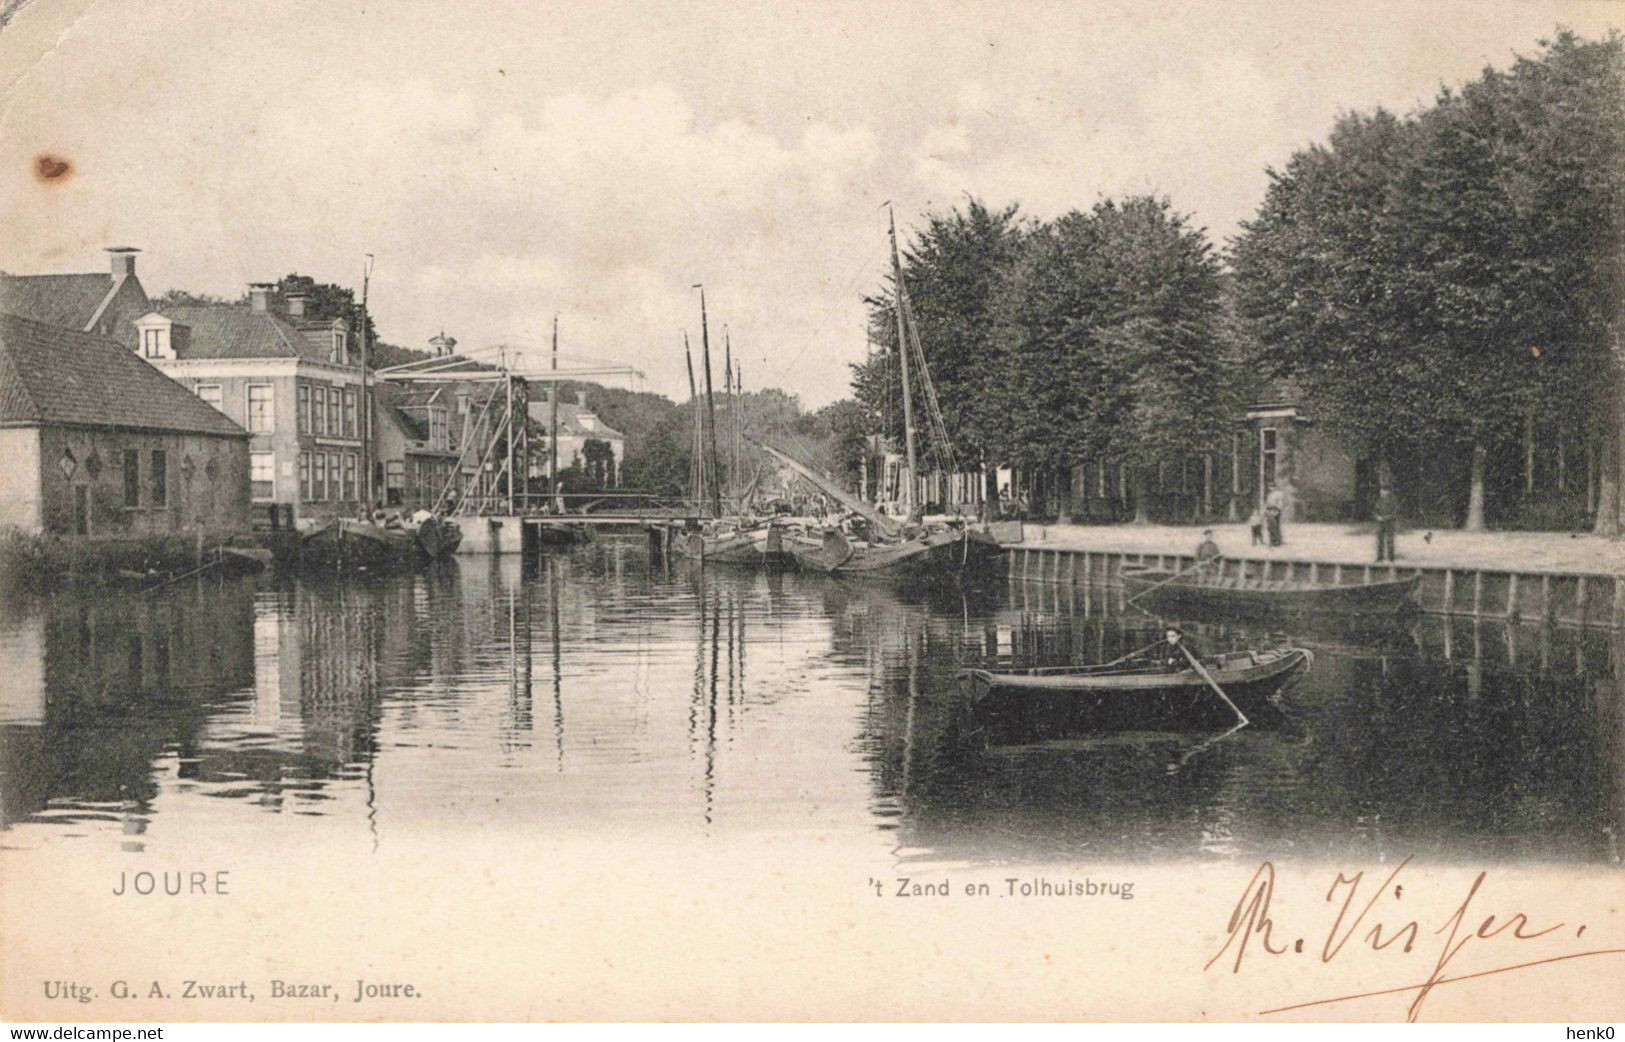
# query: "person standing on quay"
(1387, 517)
(1274, 506)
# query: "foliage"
(952, 271)
(1443, 276)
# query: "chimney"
(259, 296)
(296, 305)
(123, 260)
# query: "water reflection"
(590, 691)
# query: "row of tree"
(1447, 278)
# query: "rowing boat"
(1248, 674)
(1202, 591)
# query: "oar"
(1177, 575)
(1205, 675)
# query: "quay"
(1537, 577)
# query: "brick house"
(97, 443)
(107, 303)
(291, 381)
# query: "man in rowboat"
(1170, 654)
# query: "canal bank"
(1530, 576)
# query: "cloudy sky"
(504, 161)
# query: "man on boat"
(1170, 654)
(1207, 549)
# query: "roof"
(570, 425)
(59, 300)
(53, 375)
(393, 402)
(237, 331)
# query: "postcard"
(712, 511)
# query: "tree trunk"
(1475, 494)
(1529, 453)
(1607, 523)
(1063, 496)
(990, 490)
(1141, 517)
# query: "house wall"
(206, 478)
(287, 442)
(20, 478)
(128, 304)
(1315, 471)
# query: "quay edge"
(1562, 598)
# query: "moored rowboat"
(1255, 673)
(1203, 590)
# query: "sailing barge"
(1208, 594)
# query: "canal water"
(594, 692)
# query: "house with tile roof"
(418, 442)
(97, 443)
(578, 425)
(291, 380)
(101, 302)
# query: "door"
(81, 510)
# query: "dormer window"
(341, 348)
(153, 339)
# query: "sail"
(885, 525)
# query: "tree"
(1112, 323)
(1446, 278)
(951, 271)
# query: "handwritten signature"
(1358, 905)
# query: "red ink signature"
(1252, 927)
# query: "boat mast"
(710, 411)
(366, 397)
(902, 354)
(696, 465)
(733, 425)
(739, 429)
(553, 421)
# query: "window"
(395, 481)
(304, 408)
(132, 478)
(262, 475)
(318, 473)
(349, 476)
(334, 406)
(212, 395)
(439, 432)
(349, 412)
(160, 478)
(1266, 458)
(341, 354)
(318, 409)
(304, 476)
(260, 413)
(152, 343)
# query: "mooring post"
(1449, 590)
(1478, 593)
(1512, 596)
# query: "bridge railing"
(596, 502)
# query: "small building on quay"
(99, 444)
